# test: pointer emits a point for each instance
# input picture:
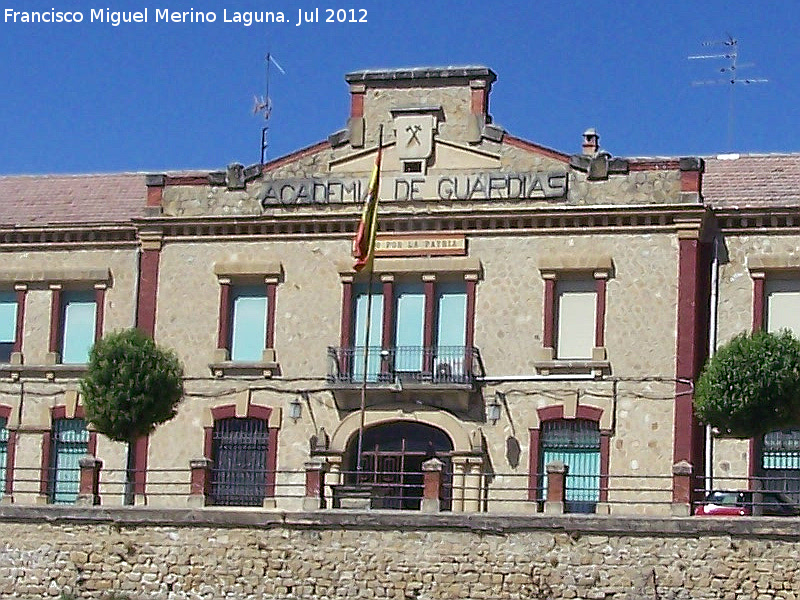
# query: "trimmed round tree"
(751, 386)
(130, 387)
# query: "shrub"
(751, 385)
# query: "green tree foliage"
(131, 385)
(751, 385)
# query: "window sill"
(258, 369)
(595, 368)
(49, 372)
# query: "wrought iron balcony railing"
(453, 365)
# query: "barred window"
(69, 441)
(576, 442)
(239, 455)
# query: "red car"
(732, 503)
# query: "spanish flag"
(364, 242)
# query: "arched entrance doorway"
(391, 462)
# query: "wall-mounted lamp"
(494, 407)
(295, 409)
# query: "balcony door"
(409, 332)
(374, 313)
(451, 331)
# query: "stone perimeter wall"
(205, 554)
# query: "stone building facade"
(526, 305)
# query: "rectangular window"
(576, 313)
(8, 325)
(362, 307)
(783, 305)
(451, 329)
(409, 327)
(78, 319)
(248, 322)
(68, 443)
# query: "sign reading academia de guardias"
(477, 186)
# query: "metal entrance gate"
(239, 455)
(391, 464)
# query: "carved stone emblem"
(414, 135)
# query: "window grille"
(576, 442)
(239, 472)
(69, 442)
(780, 461)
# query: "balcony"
(441, 376)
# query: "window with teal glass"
(451, 329)
(575, 442)
(78, 314)
(409, 326)
(69, 441)
(248, 322)
(3, 454)
(362, 307)
(8, 325)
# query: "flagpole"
(367, 328)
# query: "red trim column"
(533, 463)
(429, 285)
(100, 309)
(471, 281)
(22, 293)
(387, 333)
(224, 328)
(45, 467)
(11, 454)
(140, 448)
(55, 318)
(759, 299)
(5, 413)
(689, 440)
(346, 336)
(600, 280)
(605, 451)
(146, 311)
(548, 329)
(272, 285)
(148, 281)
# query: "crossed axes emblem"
(414, 130)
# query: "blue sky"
(91, 97)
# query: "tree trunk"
(130, 474)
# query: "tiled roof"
(59, 199)
(732, 181)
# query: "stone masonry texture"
(141, 553)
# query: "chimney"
(591, 142)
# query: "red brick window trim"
(262, 413)
(57, 308)
(551, 316)
(228, 287)
(556, 413)
(60, 412)
(11, 449)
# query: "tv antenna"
(263, 104)
(729, 51)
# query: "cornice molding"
(568, 220)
